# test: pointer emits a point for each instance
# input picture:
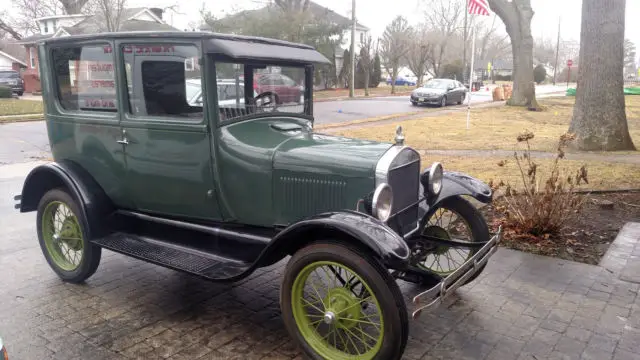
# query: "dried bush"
(546, 202)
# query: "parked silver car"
(440, 92)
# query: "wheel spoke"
(312, 305)
(376, 325)
(354, 335)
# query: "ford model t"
(196, 151)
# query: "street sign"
(569, 63)
(489, 67)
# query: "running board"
(175, 257)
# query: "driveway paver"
(523, 307)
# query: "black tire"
(20, 93)
(91, 253)
(443, 101)
(414, 103)
(475, 220)
(384, 287)
(461, 99)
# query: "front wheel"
(455, 218)
(443, 101)
(62, 237)
(339, 304)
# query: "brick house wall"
(31, 75)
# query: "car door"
(85, 123)
(167, 141)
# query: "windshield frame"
(446, 82)
(248, 79)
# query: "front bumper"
(426, 100)
(435, 296)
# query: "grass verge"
(491, 128)
(602, 175)
(20, 107)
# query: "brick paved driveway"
(522, 307)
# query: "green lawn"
(20, 107)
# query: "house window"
(84, 76)
(159, 83)
(361, 37)
(32, 57)
(46, 27)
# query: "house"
(134, 19)
(9, 62)
(228, 25)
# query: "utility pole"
(555, 67)
(352, 83)
(464, 48)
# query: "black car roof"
(236, 47)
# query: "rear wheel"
(443, 101)
(62, 237)
(339, 304)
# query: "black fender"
(456, 184)
(92, 200)
(350, 226)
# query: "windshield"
(276, 89)
(8, 74)
(437, 84)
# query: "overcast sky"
(376, 14)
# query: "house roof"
(315, 9)
(13, 59)
(90, 25)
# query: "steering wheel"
(266, 102)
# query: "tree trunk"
(599, 117)
(366, 82)
(524, 90)
(516, 16)
(394, 76)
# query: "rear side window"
(164, 80)
(84, 77)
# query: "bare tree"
(108, 13)
(419, 54)
(444, 18)
(599, 117)
(8, 28)
(366, 62)
(517, 15)
(29, 10)
(73, 6)
(629, 57)
(395, 45)
(293, 5)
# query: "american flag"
(479, 7)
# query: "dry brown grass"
(491, 128)
(379, 91)
(20, 107)
(602, 175)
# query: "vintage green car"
(221, 187)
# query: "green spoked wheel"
(62, 237)
(343, 305)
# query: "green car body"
(237, 181)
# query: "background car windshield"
(275, 89)
(437, 84)
(8, 74)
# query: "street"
(28, 140)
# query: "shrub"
(544, 205)
(452, 70)
(539, 74)
(5, 92)
(499, 77)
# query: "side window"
(163, 80)
(84, 77)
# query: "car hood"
(327, 154)
(430, 91)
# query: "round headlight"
(435, 179)
(382, 202)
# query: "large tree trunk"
(394, 76)
(517, 15)
(366, 81)
(599, 118)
